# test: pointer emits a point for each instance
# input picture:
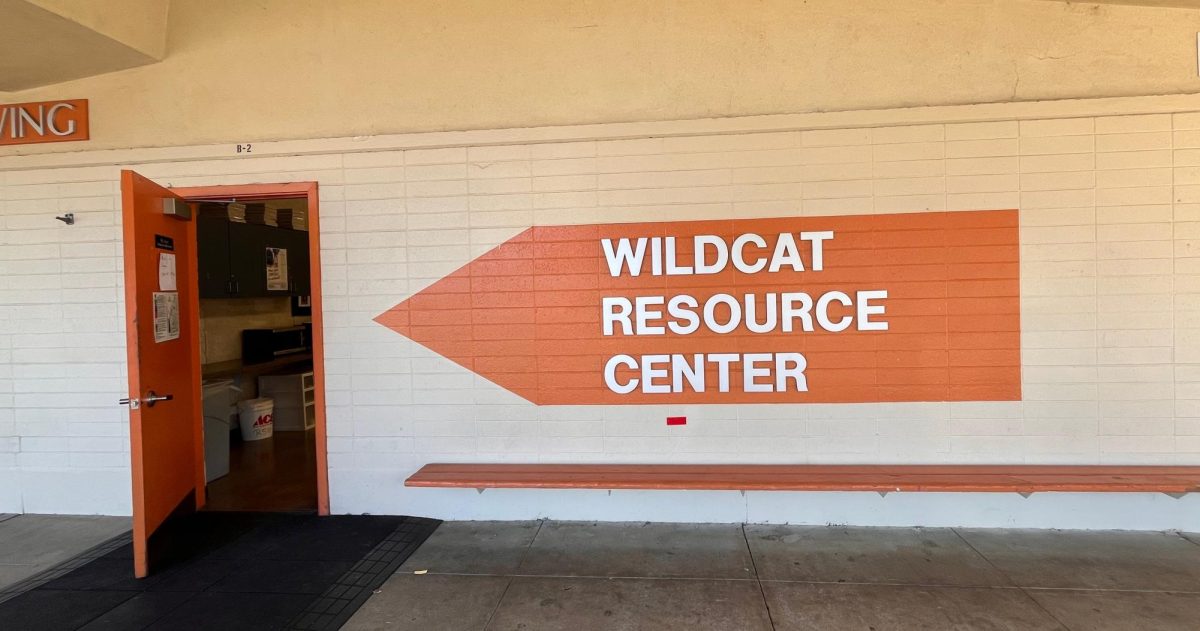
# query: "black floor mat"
(237, 571)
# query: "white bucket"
(257, 418)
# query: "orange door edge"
(141, 568)
(277, 191)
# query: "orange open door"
(161, 320)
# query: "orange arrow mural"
(863, 308)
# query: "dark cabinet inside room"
(212, 251)
(233, 258)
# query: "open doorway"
(260, 347)
(169, 468)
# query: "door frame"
(259, 192)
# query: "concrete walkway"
(30, 544)
(577, 576)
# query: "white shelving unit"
(295, 400)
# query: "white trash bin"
(256, 418)
(219, 408)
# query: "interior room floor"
(273, 474)
(232, 571)
(573, 576)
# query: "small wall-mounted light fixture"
(68, 219)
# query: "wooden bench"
(1023, 479)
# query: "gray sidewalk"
(584, 576)
(30, 544)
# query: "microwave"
(264, 345)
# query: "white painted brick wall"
(1110, 246)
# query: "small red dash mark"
(676, 420)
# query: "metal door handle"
(150, 399)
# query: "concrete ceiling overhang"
(50, 41)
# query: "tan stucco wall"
(240, 70)
(1178, 4)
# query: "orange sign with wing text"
(47, 121)
(863, 308)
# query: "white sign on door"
(166, 316)
(166, 272)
